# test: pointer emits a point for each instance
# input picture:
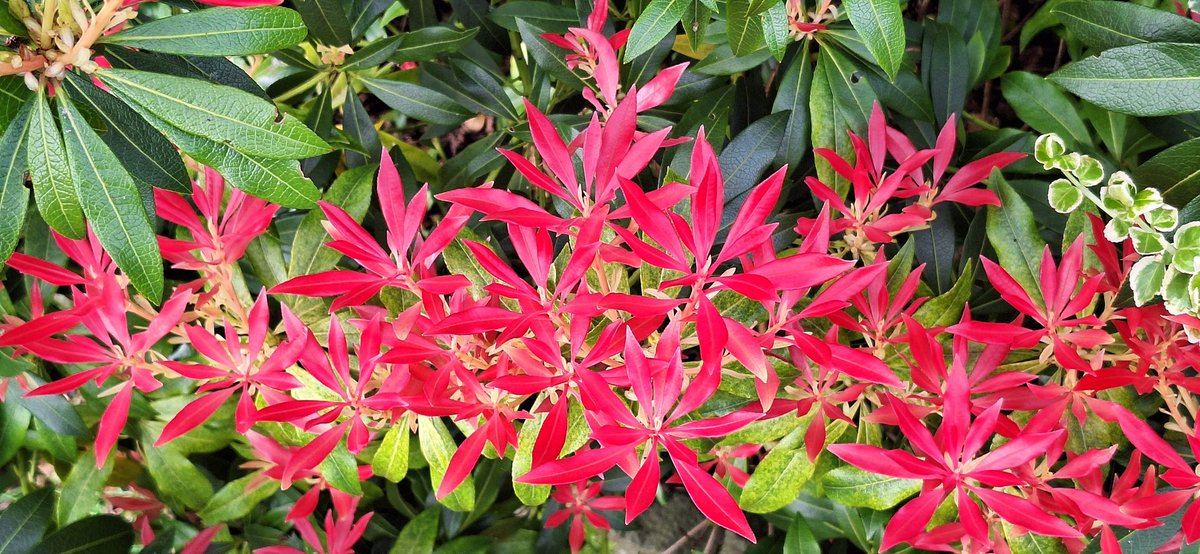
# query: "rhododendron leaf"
(112, 203)
(417, 101)
(81, 490)
(851, 486)
(326, 20)
(24, 521)
(1012, 231)
(430, 42)
(242, 31)
(102, 534)
(56, 195)
(14, 197)
(391, 458)
(438, 447)
(218, 113)
(237, 498)
(881, 27)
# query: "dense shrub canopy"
(423, 276)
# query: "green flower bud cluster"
(1170, 263)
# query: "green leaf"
(850, 486)
(80, 493)
(103, 534)
(217, 70)
(144, 151)
(53, 190)
(417, 101)
(14, 422)
(1013, 233)
(1174, 171)
(777, 480)
(484, 88)
(326, 20)
(351, 191)
(743, 28)
(278, 181)
(947, 308)
(550, 17)
(391, 459)
(430, 42)
(945, 69)
(438, 446)
(530, 495)
(839, 102)
(1031, 543)
(372, 54)
(549, 57)
(654, 23)
(881, 27)
(177, 477)
(800, 539)
(419, 534)
(1104, 25)
(24, 521)
(340, 470)
(14, 197)
(112, 203)
(217, 32)
(1045, 108)
(222, 114)
(794, 88)
(1141, 80)
(54, 411)
(748, 154)
(237, 498)
(1064, 196)
(13, 96)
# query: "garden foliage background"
(465, 276)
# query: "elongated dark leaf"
(372, 54)
(216, 70)
(352, 192)
(217, 32)
(13, 95)
(431, 42)
(945, 69)
(103, 534)
(146, 154)
(743, 27)
(417, 101)
(1174, 171)
(882, 29)
(1045, 108)
(1105, 25)
(326, 20)
(655, 22)
(53, 411)
(14, 197)
(794, 87)
(24, 522)
(51, 174)
(1141, 80)
(1012, 231)
(747, 156)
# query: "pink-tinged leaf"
(1022, 512)
(862, 366)
(312, 454)
(707, 493)
(326, 283)
(444, 284)
(552, 435)
(1145, 439)
(462, 462)
(1098, 507)
(644, 486)
(112, 422)
(910, 520)
(46, 271)
(893, 463)
(710, 328)
(293, 410)
(550, 147)
(1018, 451)
(192, 415)
(745, 346)
(68, 383)
(584, 465)
(1085, 463)
(715, 427)
(40, 328)
(535, 176)
(1009, 288)
(652, 220)
(802, 271)
(639, 306)
(479, 319)
(391, 193)
(978, 170)
(946, 141)
(660, 88)
(200, 543)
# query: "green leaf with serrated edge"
(431, 42)
(1104, 25)
(103, 534)
(850, 486)
(23, 522)
(222, 114)
(217, 32)
(881, 27)
(947, 308)
(278, 181)
(776, 30)
(1174, 171)
(351, 191)
(1012, 232)
(14, 197)
(1044, 107)
(237, 498)
(438, 446)
(658, 19)
(177, 477)
(418, 535)
(530, 495)
(417, 101)
(13, 96)
(340, 470)
(800, 539)
(53, 190)
(326, 20)
(372, 54)
(391, 459)
(217, 70)
(112, 203)
(81, 490)
(147, 155)
(1141, 80)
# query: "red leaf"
(193, 415)
(707, 493)
(588, 463)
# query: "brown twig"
(683, 541)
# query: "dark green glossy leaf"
(144, 151)
(551, 17)
(431, 42)
(103, 534)
(13, 95)
(485, 88)
(340, 470)
(351, 191)
(1045, 108)
(747, 156)
(547, 56)
(112, 203)
(177, 478)
(417, 101)
(54, 411)
(1141, 80)
(945, 69)
(1012, 232)
(373, 54)
(1105, 25)
(14, 422)
(418, 535)
(14, 197)
(882, 29)
(24, 521)
(237, 498)
(326, 20)
(1175, 172)
(654, 23)
(743, 27)
(80, 494)
(53, 190)
(217, 70)
(794, 87)
(217, 32)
